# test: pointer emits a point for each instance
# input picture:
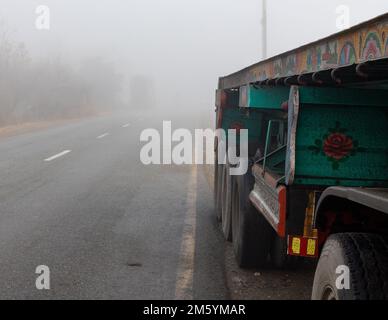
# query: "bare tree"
(44, 89)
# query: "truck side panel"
(342, 145)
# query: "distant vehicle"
(318, 143)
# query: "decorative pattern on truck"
(348, 54)
(337, 146)
(342, 146)
(386, 49)
(372, 47)
(359, 44)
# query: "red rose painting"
(338, 146)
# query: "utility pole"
(264, 30)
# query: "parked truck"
(317, 184)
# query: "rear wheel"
(215, 180)
(360, 257)
(227, 203)
(218, 176)
(251, 232)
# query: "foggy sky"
(183, 45)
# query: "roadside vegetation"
(43, 89)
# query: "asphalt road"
(76, 198)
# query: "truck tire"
(366, 256)
(279, 257)
(215, 179)
(218, 181)
(227, 203)
(251, 232)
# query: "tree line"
(36, 89)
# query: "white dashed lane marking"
(58, 155)
(103, 136)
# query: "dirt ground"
(269, 284)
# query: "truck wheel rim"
(329, 294)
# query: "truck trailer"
(317, 184)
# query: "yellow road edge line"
(185, 275)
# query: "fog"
(101, 55)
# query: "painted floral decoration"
(337, 146)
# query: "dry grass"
(17, 129)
